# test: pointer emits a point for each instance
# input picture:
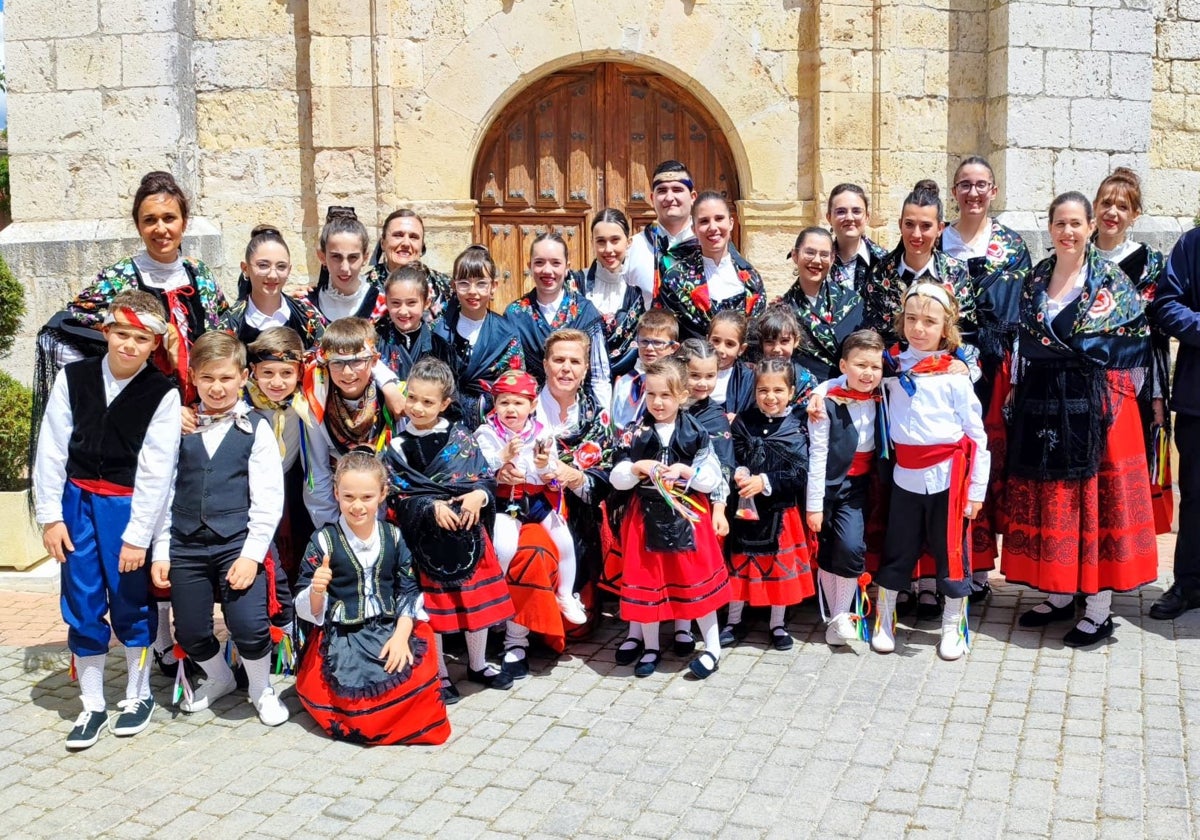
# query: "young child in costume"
(443, 495)
(657, 336)
(941, 471)
(405, 335)
(106, 448)
(841, 458)
(734, 388)
(222, 511)
(369, 670)
(513, 435)
(673, 564)
(779, 337)
(769, 555)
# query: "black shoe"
(927, 609)
(704, 666)
(1077, 638)
(646, 667)
(629, 655)
(1038, 618)
(498, 680)
(168, 669)
(684, 644)
(731, 634)
(134, 717)
(87, 729)
(1175, 602)
(449, 691)
(978, 596)
(517, 669)
(906, 602)
(781, 638)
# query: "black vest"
(106, 439)
(214, 491)
(347, 591)
(843, 441)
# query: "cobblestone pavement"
(1024, 738)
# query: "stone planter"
(20, 538)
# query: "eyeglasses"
(654, 343)
(810, 254)
(469, 286)
(264, 267)
(357, 364)
(972, 186)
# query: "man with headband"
(105, 457)
(672, 192)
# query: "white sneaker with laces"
(209, 692)
(572, 609)
(841, 630)
(271, 711)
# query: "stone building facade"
(271, 110)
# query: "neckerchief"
(262, 402)
(929, 366)
(530, 432)
(884, 296)
(236, 415)
(846, 396)
(354, 428)
(828, 319)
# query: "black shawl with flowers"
(497, 349)
(856, 273)
(885, 292)
(525, 317)
(683, 290)
(620, 328)
(836, 312)
(400, 351)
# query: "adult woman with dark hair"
(855, 255)
(401, 244)
(343, 291)
(1078, 504)
(606, 286)
(267, 267)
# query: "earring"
(795, 270)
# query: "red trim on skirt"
(532, 577)
(780, 579)
(480, 603)
(1091, 534)
(665, 585)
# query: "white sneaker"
(883, 635)
(572, 609)
(954, 643)
(270, 710)
(841, 630)
(209, 692)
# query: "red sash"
(100, 487)
(861, 464)
(845, 396)
(515, 492)
(961, 456)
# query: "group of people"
(358, 472)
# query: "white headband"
(932, 290)
(142, 320)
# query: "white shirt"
(930, 270)
(608, 292)
(549, 414)
(706, 467)
(722, 278)
(164, 276)
(722, 386)
(469, 328)
(942, 410)
(639, 260)
(366, 552)
(261, 321)
(491, 444)
(1055, 307)
(155, 464)
(957, 247)
(1120, 252)
(862, 416)
(266, 488)
(333, 304)
(549, 310)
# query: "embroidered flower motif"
(995, 250)
(1045, 341)
(1149, 292)
(1102, 305)
(700, 298)
(588, 455)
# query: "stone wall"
(1174, 182)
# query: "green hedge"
(15, 403)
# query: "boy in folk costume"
(105, 455)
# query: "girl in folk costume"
(734, 388)
(941, 471)
(606, 286)
(443, 494)
(341, 291)
(827, 310)
(551, 306)
(368, 673)
(998, 262)
(698, 282)
(673, 564)
(855, 255)
(405, 335)
(917, 258)
(1079, 513)
(514, 436)
(768, 551)
(780, 337)
(1118, 204)
(402, 245)
(485, 345)
(267, 266)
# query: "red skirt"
(666, 585)
(405, 708)
(1090, 534)
(532, 576)
(611, 554)
(780, 579)
(480, 603)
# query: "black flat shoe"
(646, 667)
(629, 655)
(906, 602)
(449, 692)
(978, 596)
(1174, 603)
(516, 669)
(1040, 618)
(684, 644)
(704, 666)
(927, 609)
(731, 634)
(499, 680)
(781, 638)
(1077, 638)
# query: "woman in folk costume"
(552, 305)
(443, 494)
(697, 282)
(402, 245)
(368, 673)
(342, 291)
(998, 262)
(606, 285)
(484, 344)
(404, 335)
(854, 255)
(1118, 204)
(267, 266)
(1078, 503)
(826, 309)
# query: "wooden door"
(576, 142)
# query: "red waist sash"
(861, 465)
(961, 456)
(100, 487)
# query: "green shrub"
(12, 307)
(15, 403)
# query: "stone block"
(845, 121)
(433, 125)
(966, 127)
(1180, 39)
(1026, 176)
(1131, 76)
(1123, 30)
(134, 18)
(230, 119)
(141, 118)
(341, 173)
(770, 141)
(332, 17)
(33, 20)
(1110, 125)
(1184, 77)
(1051, 26)
(537, 34)
(1039, 122)
(902, 72)
(245, 63)
(224, 173)
(1174, 149)
(846, 71)
(474, 77)
(362, 73)
(1081, 171)
(1185, 9)
(846, 25)
(29, 66)
(1078, 73)
(343, 117)
(154, 59)
(53, 122)
(915, 27)
(1162, 74)
(245, 18)
(408, 65)
(1016, 71)
(87, 63)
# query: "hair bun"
(927, 185)
(336, 211)
(1124, 173)
(259, 230)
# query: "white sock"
(1098, 607)
(504, 539)
(980, 576)
(953, 610)
(926, 585)
(846, 587)
(442, 672)
(90, 672)
(516, 640)
(649, 634)
(711, 632)
(735, 612)
(1056, 601)
(477, 649)
(561, 535)
(164, 642)
(217, 669)
(137, 686)
(683, 626)
(777, 616)
(258, 676)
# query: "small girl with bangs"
(942, 465)
(405, 336)
(769, 556)
(673, 564)
(734, 388)
(342, 249)
(780, 337)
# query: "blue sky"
(3, 97)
